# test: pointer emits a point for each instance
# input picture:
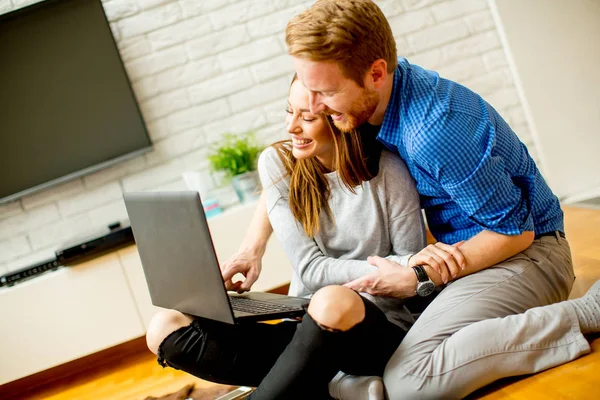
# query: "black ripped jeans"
(289, 360)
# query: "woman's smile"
(301, 143)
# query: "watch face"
(425, 288)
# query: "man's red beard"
(360, 111)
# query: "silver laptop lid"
(177, 254)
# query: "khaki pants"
(499, 322)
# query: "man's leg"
(485, 326)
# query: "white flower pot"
(247, 186)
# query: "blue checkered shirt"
(471, 170)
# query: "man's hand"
(390, 280)
(447, 260)
(246, 263)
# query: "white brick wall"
(456, 8)
(250, 53)
(203, 68)
(22, 3)
(220, 86)
(259, 94)
(149, 20)
(14, 247)
(155, 62)
(5, 5)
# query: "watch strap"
(421, 274)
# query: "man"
(501, 243)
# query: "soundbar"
(95, 245)
(79, 250)
(29, 272)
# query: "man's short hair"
(353, 33)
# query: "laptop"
(181, 267)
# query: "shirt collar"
(391, 120)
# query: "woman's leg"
(341, 331)
(162, 324)
(232, 354)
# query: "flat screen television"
(66, 104)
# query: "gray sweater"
(383, 218)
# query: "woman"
(329, 199)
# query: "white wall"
(555, 45)
(200, 68)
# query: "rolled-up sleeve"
(459, 155)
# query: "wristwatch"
(425, 285)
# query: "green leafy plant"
(235, 154)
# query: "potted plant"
(236, 156)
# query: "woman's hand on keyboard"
(245, 263)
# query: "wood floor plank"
(133, 378)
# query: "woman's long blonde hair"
(309, 187)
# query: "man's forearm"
(260, 229)
(486, 249)
(481, 251)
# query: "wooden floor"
(133, 378)
(139, 376)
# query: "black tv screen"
(66, 103)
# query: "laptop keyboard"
(257, 307)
